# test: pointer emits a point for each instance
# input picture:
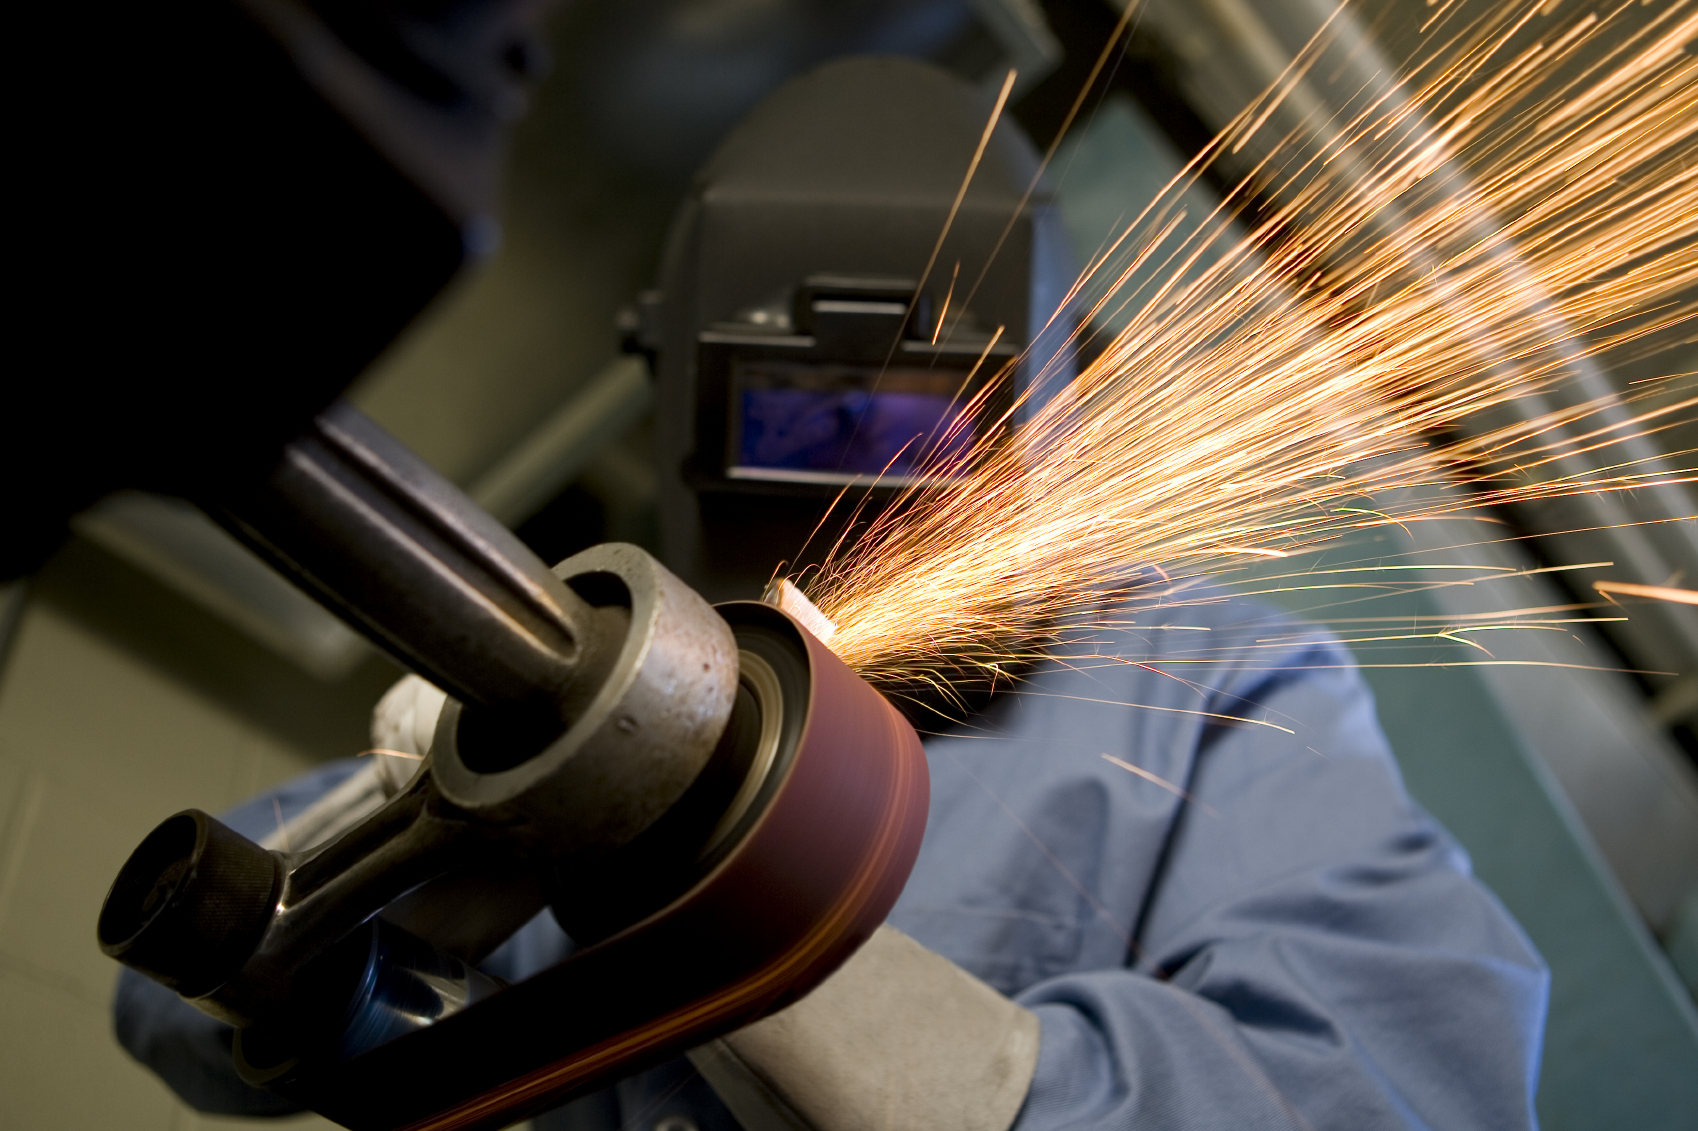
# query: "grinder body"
(716, 808)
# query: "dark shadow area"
(573, 520)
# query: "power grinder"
(716, 808)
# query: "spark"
(1525, 193)
(1238, 719)
(972, 167)
(1655, 592)
(943, 311)
(282, 826)
(1161, 781)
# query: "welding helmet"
(810, 329)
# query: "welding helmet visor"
(814, 336)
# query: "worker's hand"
(405, 718)
(900, 1038)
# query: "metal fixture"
(668, 776)
(784, 853)
(647, 730)
(357, 520)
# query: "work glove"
(899, 1039)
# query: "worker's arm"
(1313, 952)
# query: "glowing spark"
(282, 828)
(392, 754)
(1163, 782)
(1237, 719)
(1273, 388)
(972, 167)
(943, 311)
(1655, 592)
(1251, 550)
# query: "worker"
(1170, 877)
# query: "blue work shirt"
(1240, 921)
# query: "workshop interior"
(506, 439)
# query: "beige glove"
(899, 1039)
(404, 721)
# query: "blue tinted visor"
(810, 423)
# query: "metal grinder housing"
(718, 810)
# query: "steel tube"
(403, 555)
(652, 717)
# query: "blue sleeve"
(1313, 952)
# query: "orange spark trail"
(1655, 592)
(1525, 192)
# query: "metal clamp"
(642, 740)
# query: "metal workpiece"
(331, 889)
(728, 790)
(231, 925)
(812, 858)
(734, 794)
(403, 555)
(731, 792)
(240, 930)
(467, 838)
(635, 747)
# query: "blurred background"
(155, 665)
